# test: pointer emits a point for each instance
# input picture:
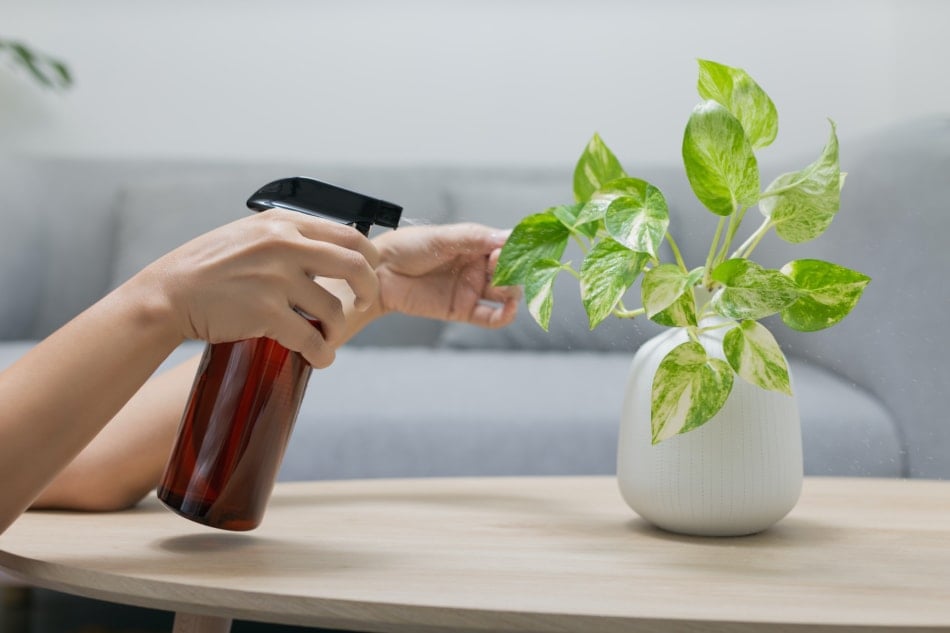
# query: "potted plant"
(710, 438)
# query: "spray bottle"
(246, 394)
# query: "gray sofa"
(411, 397)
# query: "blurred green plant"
(47, 71)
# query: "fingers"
(323, 259)
(295, 332)
(503, 294)
(330, 249)
(322, 306)
(499, 304)
(343, 235)
(494, 316)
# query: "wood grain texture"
(513, 554)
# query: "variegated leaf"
(539, 290)
(680, 313)
(751, 291)
(828, 293)
(743, 97)
(568, 215)
(538, 236)
(689, 388)
(720, 164)
(595, 168)
(661, 287)
(808, 199)
(664, 285)
(639, 221)
(667, 295)
(595, 208)
(755, 355)
(609, 269)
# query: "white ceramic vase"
(737, 474)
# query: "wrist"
(151, 308)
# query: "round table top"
(511, 554)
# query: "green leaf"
(639, 221)
(751, 291)
(607, 272)
(568, 215)
(828, 292)
(743, 97)
(662, 286)
(667, 295)
(689, 388)
(802, 204)
(539, 290)
(719, 161)
(755, 355)
(596, 207)
(536, 237)
(596, 167)
(681, 313)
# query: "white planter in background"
(737, 474)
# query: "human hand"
(444, 272)
(245, 279)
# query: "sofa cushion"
(411, 412)
(155, 217)
(156, 214)
(892, 226)
(404, 413)
(22, 251)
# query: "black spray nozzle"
(326, 201)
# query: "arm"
(139, 438)
(240, 281)
(59, 395)
(135, 443)
(433, 272)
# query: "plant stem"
(569, 269)
(749, 245)
(628, 314)
(676, 253)
(718, 326)
(707, 276)
(735, 220)
(580, 243)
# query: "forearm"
(137, 441)
(61, 394)
(126, 460)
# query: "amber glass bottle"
(234, 432)
(246, 395)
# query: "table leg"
(192, 623)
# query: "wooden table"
(510, 554)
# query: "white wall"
(483, 81)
